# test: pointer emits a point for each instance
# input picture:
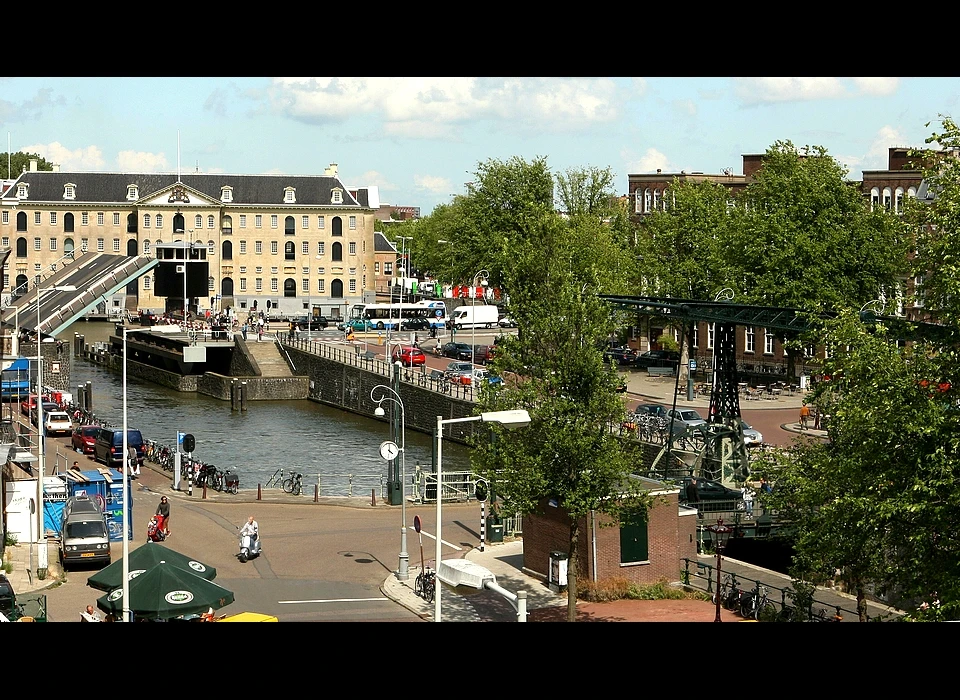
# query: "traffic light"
(480, 491)
(189, 442)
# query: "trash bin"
(494, 532)
(393, 493)
(557, 578)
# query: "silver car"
(684, 418)
(751, 436)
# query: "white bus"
(419, 316)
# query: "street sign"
(180, 440)
(693, 365)
(416, 523)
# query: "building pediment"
(178, 195)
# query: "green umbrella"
(144, 558)
(167, 591)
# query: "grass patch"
(622, 589)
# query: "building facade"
(285, 244)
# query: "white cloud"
(758, 90)
(649, 162)
(89, 158)
(432, 184)
(141, 162)
(409, 104)
(373, 178)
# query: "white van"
(83, 533)
(480, 316)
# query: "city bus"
(382, 317)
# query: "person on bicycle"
(252, 528)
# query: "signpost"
(416, 526)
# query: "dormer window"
(133, 193)
(69, 191)
(22, 190)
(289, 195)
(337, 196)
(226, 194)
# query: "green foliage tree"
(19, 162)
(568, 452)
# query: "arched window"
(887, 199)
(226, 287)
(289, 287)
(656, 199)
(22, 246)
(21, 287)
(898, 202)
(68, 223)
(227, 225)
(198, 221)
(227, 250)
(210, 221)
(146, 221)
(132, 222)
(131, 247)
(336, 289)
(337, 226)
(21, 221)
(211, 249)
(337, 252)
(146, 246)
(289, 228)
(646, 200)
(159, 221)
(874, 198)
(68, 246)
(289, 251)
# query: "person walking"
(748, 495)
(163, 515)
(804, 416)
(244, 330)
(132, 463)
(693, 494)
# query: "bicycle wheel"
(288, 485)
(748, 606)
(767, 612)
(418, 585)
(297, 487)
(429, 589)
(217, 481)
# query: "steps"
(268, 355)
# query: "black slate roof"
(266, 190)
(381, 244)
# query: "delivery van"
(480, 316)
(84, 537)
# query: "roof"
(381, 244)
(94, 188)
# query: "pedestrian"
(91, 614)
(163, 515)
(692, 493)
(76, 465)
(132, 462)
(804, 416)
(379, 338)
(748, 495)
(244, 330)
(765, 486)
(416, 340)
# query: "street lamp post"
(41, 532)
(124, 468)
(512, 420)
(720, 534)
(484, 280)
(403, 568)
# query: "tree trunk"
(572, 566)
(862, 603)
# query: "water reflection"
(301, 435)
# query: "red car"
(84, 437)
(409, 356)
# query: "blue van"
(109, 446)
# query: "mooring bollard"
(259, 493)
(204, 497)
(316, 493)
(373, 497)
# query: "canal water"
(316, 440)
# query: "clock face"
(389, 450)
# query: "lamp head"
(379, 412)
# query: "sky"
(420, 140)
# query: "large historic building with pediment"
(286, 244)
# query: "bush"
(10, 540)
(620, 588)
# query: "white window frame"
(37, 243)
(84, 218)
(273, 247)
(274, 221)
(352, 248)
(305, 285)
(116, 245)
(353, 222)
(146, 221)
(321, 287)
(305, 247)
(159, 220)
(243, 247)
(243, 284)
(321, 221)
(198, 221)
(100, 245)
(711, 334)
(53, 244)
(211, 221)
(100, 219)
(53, 218)
(321, 248)
(243, 221)
(258, 221)
(258, 247)
(258, 284)
(750, 339)
(353, 286)
(768, 342)
(305, 221)
(274, 285)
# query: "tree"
(568, 452)
(20, 162)
(880, 500)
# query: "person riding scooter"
(249, 540)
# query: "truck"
(479, 316)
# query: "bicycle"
(756, 605)
(293, 484)
(426, 585)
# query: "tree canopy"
(19, 162)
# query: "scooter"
(249, 547)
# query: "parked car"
(48, 407)
(684, 418)
(83, 438)
(408, 356)
(455, 369)
(57, 423)
(620, 355)
(30, 403)
(8, 597)
(713, 495)
(751, 436)
(478, 377)
(108, 447)
(414, 324)
(458, 351)
(507, 322)
(314, 323)
(651, 408)
(355, 324)
(657, 358)
(482, 354)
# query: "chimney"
(56, 167)
(331, 171)
(33, 165)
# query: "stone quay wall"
(258, 388)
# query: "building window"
(227, 225)
(146, 221)
(243, 221)
(258, 247)
(887, 199)
(274, 221)
(36, 244)
(5, 242)
(305, 247)
(750, 340)
(146, 281)
(767, 343)
(146, 247)
(710, 335)
(320, 286)
(69, 191)
(132, 192)
(226, 194)
(258, 221)
(53, 244)
(376, 268)
(258, 284)
(695, 340)
(656, 199)
(353, 271)
(84, 218)
(198, 221)
(646, 200)
(289, 195)
(305, 286)
(84, 244)
(210, 221)
(637, 201)
(353, 248)
(336, 253)
(337, 226)
(116, 245)
(259, 270)
(99, 245)
(6, 217)
(116, 218)
(388, 268)
(243, 247)
(210, 286)
(305, 222)
(353, 223)
(243, 284)
(273, 247)
(53, 218)
(274, 286)
(211, 249)
(289, 251)
(321, 271)
(899, 200)
(337, 196)
(36, 218)
(22, 191)
(353, 286)
(100, 219)
(320, 222)
(320, 248)
(159, 221)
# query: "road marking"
(334, 600)
(449, 544)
